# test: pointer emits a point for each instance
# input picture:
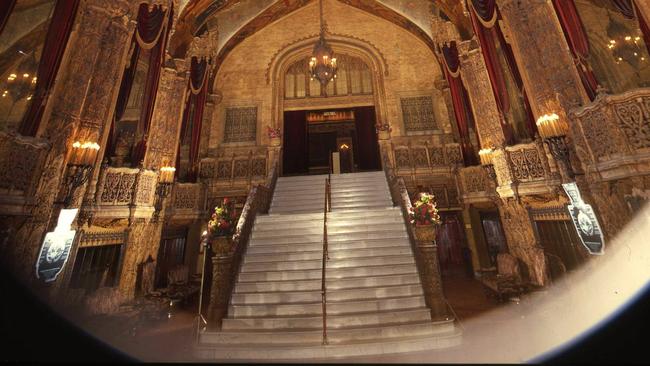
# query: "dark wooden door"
(295, 156)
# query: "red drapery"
(645, 29)
(55, 43)
(514, 70)
(151, 28)
(462, 109)
(6, 6)
(487, 38)
(578, 42)
(123, 97)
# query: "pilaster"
(484, 105)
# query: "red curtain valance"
(151, 23)
(486, 11)
(451, 58)
(6, 7)
(55, 43)
(198, 73)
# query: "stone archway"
(342, 45)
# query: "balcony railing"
(125, 190)
(476, 185)
(188, 200)
(524, 169)
(612, 134)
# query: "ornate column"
(167, 115)
(484, 105)
(88, 80)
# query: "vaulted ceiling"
(238, 19)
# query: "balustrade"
(612, 134)
(524, 169)
(125, 192)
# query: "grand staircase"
(375, 302)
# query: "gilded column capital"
(444, 31)
(204, 46)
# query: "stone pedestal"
(221, 282)
(431, 281)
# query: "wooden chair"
(508, 281)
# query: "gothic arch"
(341, 44)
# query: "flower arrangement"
(222, 222)
(273, 132)
(424, 211)
(384, 127)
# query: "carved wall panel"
(21, 161)
(241, 169)
(526, 165)
(117, 188)
(417, 114)
(187, 196)
(474, 179)
(224, 170)
(402, 159)
(208, 168)
(420, 157)
(634, 119)
(436, 156)
(454, 155)
(258, 168)
(241, 124)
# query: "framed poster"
(585, 221)
(56, 248)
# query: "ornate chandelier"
(322, 65)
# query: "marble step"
(318, 237)
(334, 246)
(331, 273)
(334, 295)
(360, 188)
(333, 321)
(296, 211)
(280, 196)
(332, 222)
(332, 263)
(360, 193)
(331, 283)
(332, 229)
(341, 214)
(337, 253)
(360, 205)
(310, 199)
(341, 344)
(332, 308)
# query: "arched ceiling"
(238, 19)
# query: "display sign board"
(585, 221)
(56, 247)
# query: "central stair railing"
(327, 207)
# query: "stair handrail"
(257, 201)
(326, 208)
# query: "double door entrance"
(311, 136)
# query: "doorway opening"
(310, 138)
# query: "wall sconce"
(486, 156)
(165, 182)
(80, 166)
(553, 130)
